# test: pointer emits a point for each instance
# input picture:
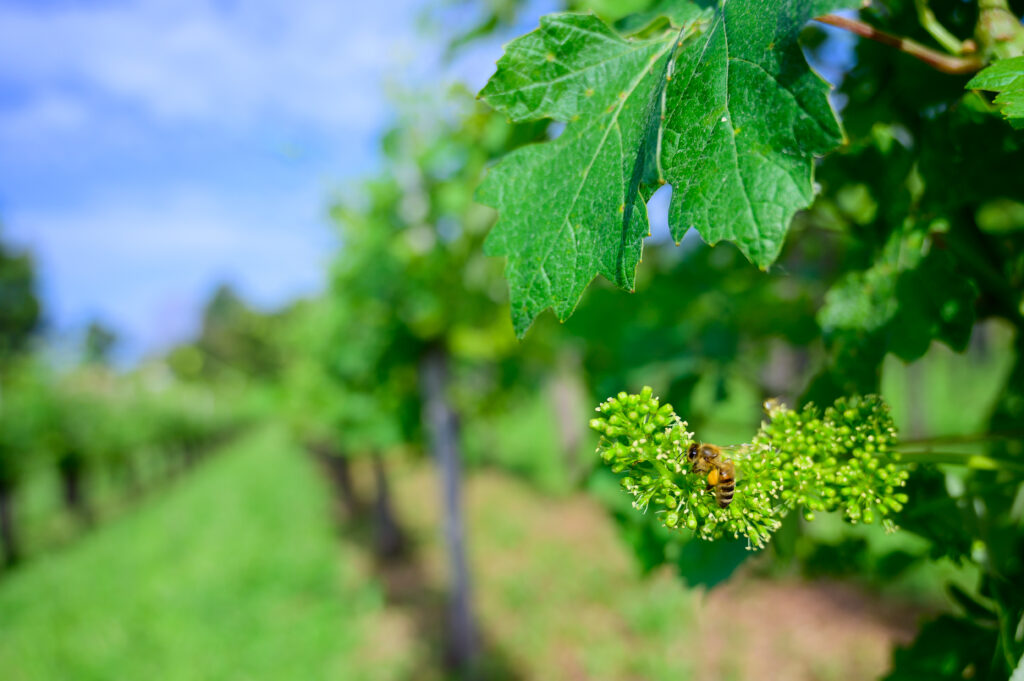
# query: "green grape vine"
(841, 459)
(909, 208)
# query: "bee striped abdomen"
(726, 486)
(725, 490)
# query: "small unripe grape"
(818, 461)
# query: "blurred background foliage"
(906, 277)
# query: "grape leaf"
(907, 298)
(862, 301)
(724, 107)
(947, 648)
(936, 301)
(572, 208)
(745, 118)
(1005, 77)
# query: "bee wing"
(735, 453)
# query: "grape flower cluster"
(838, 460)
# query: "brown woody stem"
(937, 60)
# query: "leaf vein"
(597, 152)
(728, 113)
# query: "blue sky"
(152, 149)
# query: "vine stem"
(976, 461)
(937, 60)
(942, 36)
(968, 439)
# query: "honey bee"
(706, 459)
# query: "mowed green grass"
(234, 572)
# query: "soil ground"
(559, 596)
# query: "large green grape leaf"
(1005, 77)
(724, 107)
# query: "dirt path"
(559, 597)
(798, 630)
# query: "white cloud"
(318, 62)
